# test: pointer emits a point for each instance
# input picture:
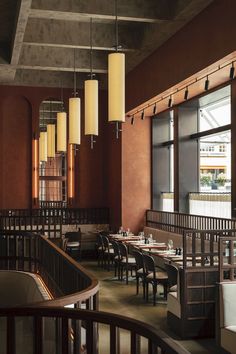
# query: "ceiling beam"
(62, 59)
(22, 18)
(104, 10)
(77, 34)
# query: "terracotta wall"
(136, 173)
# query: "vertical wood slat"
(10, 335)
(38, 335)
(65, 336)
(114, 340)
(89, 337)
(135, 343)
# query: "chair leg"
(137, 285)
(154, 294)
(143, 289)
(127, 275)
(146, 292)
(165, 285)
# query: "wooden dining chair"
(108, 252)
(172, 272)
(117, 258)
(154, 276)
(139, 271)
(127, 262)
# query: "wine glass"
(170, 245)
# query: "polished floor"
(117, 297)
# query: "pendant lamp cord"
(62, 102)
(91, 48)
(116, 26)
(75, 93)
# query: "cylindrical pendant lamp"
(74, 120)
(43, 146)
(91, 107)
(61, 132)
(116, 87)
(51, 140)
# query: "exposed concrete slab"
(132, 10)
(21, 22)
(62, 59)
(77, 34)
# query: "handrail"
(157, 339)
(34, 253)
(178, 222)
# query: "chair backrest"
(123, 250)
(99, 241)
(73, 236)
(138, 259)
(106, 242)
(172, 272)
(116, 248)
(149, 263)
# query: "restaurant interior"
(117, 177)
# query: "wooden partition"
(178, 222)
(199, 273)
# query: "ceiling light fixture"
(170, 101)
(186, 93)
(116, 83)
(61, 127)
(155, 108)
(232, 71)
(207, 84)
(143, 115)
(74, 114)
(91, 99)
(51, 152)
(43, 156)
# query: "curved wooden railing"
(67, 330)
(71, 326)
(65, 278)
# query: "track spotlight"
(207, 83)
(186, 93)
(232, 70)
(132, 120)
(142, 115)
(170, 102)
(155, 108)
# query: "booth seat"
(173, 299)
(227, 313)
(163, 236)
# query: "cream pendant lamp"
(91, 99)
(51, 140)
(61, 132)
(116, 84)
(74, 115)
(43, 146)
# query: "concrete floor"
(117, 297)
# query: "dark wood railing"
(178, 222)
(72, 325)
(227, 258)
(68, 282)
(75, 286)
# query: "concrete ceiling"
(39, 39)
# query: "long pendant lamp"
(91, 99)
(51, 140)
(74, 115)
(43, 146)
(61, 132)
(116, 84)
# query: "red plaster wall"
(209, 37)
(136, 167)
(15, 153)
